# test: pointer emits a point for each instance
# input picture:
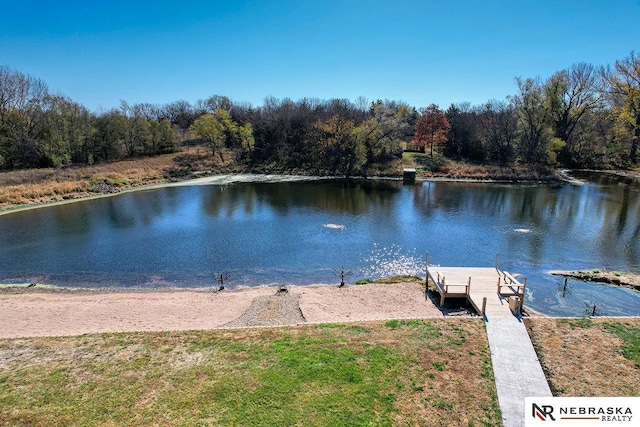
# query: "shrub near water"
(407, 373)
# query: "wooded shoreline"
(24, 189)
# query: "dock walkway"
(516, 367)
(477, 283)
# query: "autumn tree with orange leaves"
(432, 127)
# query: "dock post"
(524, 288)
(426, 269)
(484, 305)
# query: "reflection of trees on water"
(590, 224)
(75, 218)
(140, 208)
(615, 200)
(145, 208)
(519, 204)
(224, 201)
(339, 197)
(621, 222)
(507, 204)
(120, 212)
(606, 218)
(607, 179)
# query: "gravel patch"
(283, 308)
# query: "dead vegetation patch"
(40, 186)
(585, 357)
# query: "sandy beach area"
(33, 312)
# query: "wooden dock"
(488, 290)
(498, 295)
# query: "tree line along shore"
(584, 116)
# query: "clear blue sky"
(421, 52)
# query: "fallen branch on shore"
(626, 280)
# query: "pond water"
(307, 232)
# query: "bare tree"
(22, 118)
(533, 120)
(624, 96)
(499, 125)
(571, 94)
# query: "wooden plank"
(474, 304)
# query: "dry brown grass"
(38, 186)
(583, 358)
(440, 167)
(488, 172)
(456, 374)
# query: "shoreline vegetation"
(618, 278)
(29, 188)
(24, 189)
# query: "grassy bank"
(438, 166)
(584, 357)
(34, 186)
(395, 373)
(38, 186)
(624, 279)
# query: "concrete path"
(516, 367)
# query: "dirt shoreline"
(232, 178)
(222, 179)
(30, 312)
(625, 280)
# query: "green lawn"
(430, 373)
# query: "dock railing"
(509, 286)
(455, 290)
(483, 297)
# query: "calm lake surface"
(303, 232)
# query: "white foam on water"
(335, 226)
